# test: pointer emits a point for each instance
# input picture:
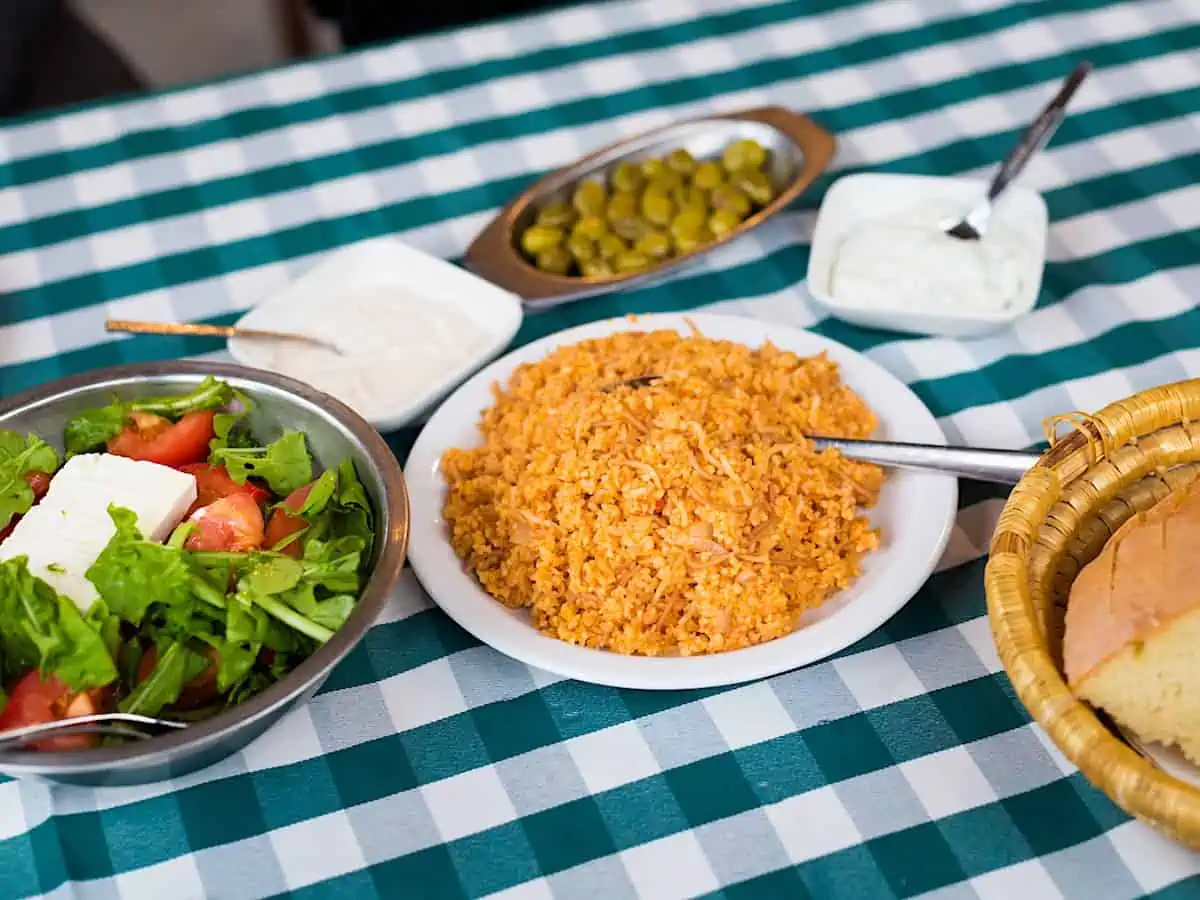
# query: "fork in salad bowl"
(50, 734)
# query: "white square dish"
(381, 265)
(855, 199)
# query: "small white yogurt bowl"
(316, 303)
(855, 199)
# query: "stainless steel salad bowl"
(334, 432)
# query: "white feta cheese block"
(55, 556)
(85, 486)
(63, 535)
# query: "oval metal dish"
(799, 150)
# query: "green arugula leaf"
(284, 639)
(246, 629)
(323, 492)
(19, 456)
(262, 677)
(130, 573)
(107, 625)
(39, 628)
(210, 393)
(312, 597)
(284, 464)
(354, 509)
(333, 564)
(271, 573)
(177, 664)
(351, 492)
(268, 582)
(91, 428)
(231, 429)
(83, 659)
(237, 662)
(129, 661)
(331, 613)
(254, 683)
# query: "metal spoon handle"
(123, 724)
(993, 466)
(1038, 134)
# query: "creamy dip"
(396, 346)
(907, 261)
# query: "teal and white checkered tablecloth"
(431, 766)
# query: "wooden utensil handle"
(184, 328)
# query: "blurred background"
(56, 52)
(171, 42)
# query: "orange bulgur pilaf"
(688, 516)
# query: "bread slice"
(1132, 641)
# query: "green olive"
(743, 154)
(689, 222)
(651, 167)
(540, 237)
(687, 195)
(654, 244)
(591, 228)
(657, 207)
(611, 246)
(556, 215)
(728, 197)
(681, 161)
(555, 260)
(632, 261)
(686, 242)
(702, 212)
(630, 229)
(724, 221)
(596, 268)
(590, 198)
(581, 248)
(627, 177)
(754, 184)
(623, 206)
(707, 175)
(667, 180)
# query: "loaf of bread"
(1132, 640)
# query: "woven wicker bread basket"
(1115, 464)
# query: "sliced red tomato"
(40, 483)
(200, 691)
(233, 523)
(214, 482)
(155, 439)
(35, 700)
(283, 524)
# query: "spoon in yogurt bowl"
(193, 329)
(1033, 139)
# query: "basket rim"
(1132, 781)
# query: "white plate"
(915, 511)
(867, 195)
(370, 265)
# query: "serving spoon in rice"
(991, 466)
